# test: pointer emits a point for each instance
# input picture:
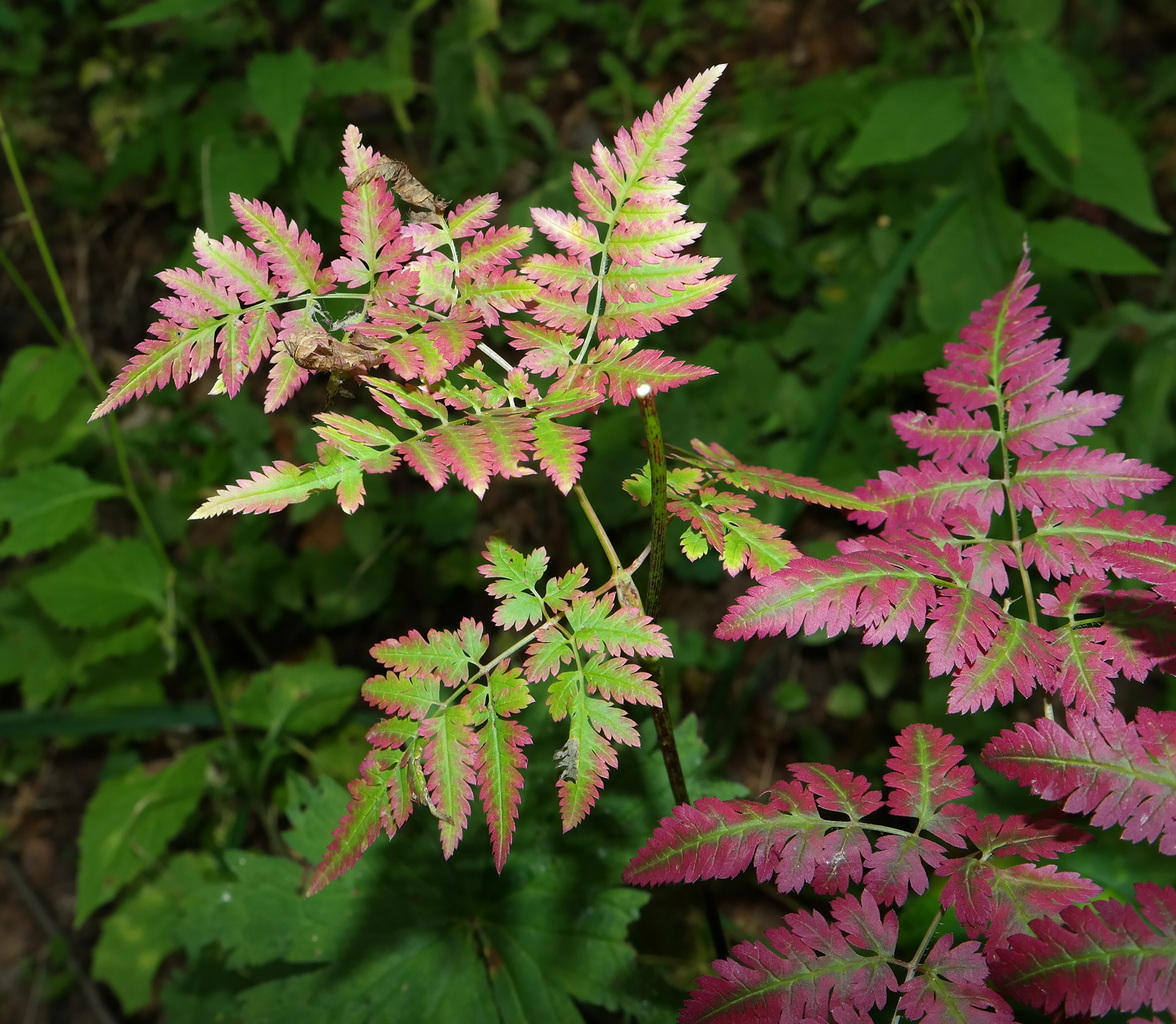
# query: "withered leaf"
(312, 348)
(401, 181)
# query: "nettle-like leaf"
(945, 560)
(453, 725)
(826, 828)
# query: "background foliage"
(868, 175)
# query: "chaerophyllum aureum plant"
(1003, 549)
(480, 360)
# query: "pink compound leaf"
(1097, 959)
(1118, 772)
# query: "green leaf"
(161, 10)
(31, 653)
(1111, 170)
(624, 631)
(1043, 86)
(299, 699)
(514, 578)
(102, 584)
(351, 76)
(46, 505)
(968, 260)
(129, 822)
(519, 948)
(449, 762)
(1038, 18)
(36, 381)
(1080, 245)
(142, 930)
(279, 84)
(909, 121)
(246, 167)
(273, 488)
(444, 654)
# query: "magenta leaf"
(1108, 956)
(1119, 772)
(808, 969)
(926, 773)
(949, 988)
(943, 553)
(292, 256)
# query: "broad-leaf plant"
(477, 359)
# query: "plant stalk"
(667, 742)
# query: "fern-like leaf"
(1096, 959)
(292, 256)
(369, 812)
(1119, 772)
(807, 970)
(941, 554)
(272, 489)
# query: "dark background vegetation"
(132, 122)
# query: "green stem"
(72, 337)
(667, 742)
(26, 202)
(657, 500)
(921, 952)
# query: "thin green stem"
(921, 952)
(72, 337)
(659, 517)
(667, 742)
(39, 311)
(606, 545)
(971, 19)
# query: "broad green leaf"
(161, 10)
(104, 583)
(142, 930)
(31, 653)
(46, 505)
(36, 380)
(129, 822)
(1038, 18)
(279, 84)
(1080, 245)
(245, 166)
(1111, 170)
(967, 261)
(521, 947)
(1043, 86)
(910, 120)
(351, 76)
(300, 699)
